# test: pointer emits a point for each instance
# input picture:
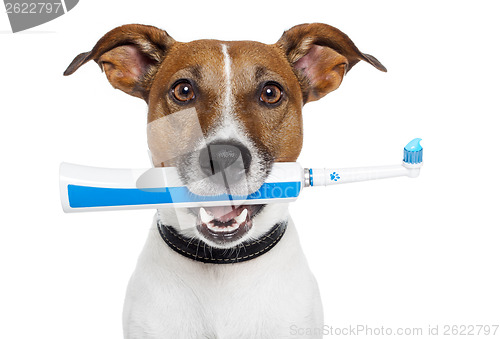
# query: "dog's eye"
(183, 91)
(271, 94)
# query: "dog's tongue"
(225, 213)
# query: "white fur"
(170, 296)
(228, 96)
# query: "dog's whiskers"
(198, 247)
(191, 239)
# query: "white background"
(395, 253)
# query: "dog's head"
(223, 112)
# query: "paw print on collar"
(334, 176)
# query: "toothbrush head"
(413, 152)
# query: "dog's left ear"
(321, 55)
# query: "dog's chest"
(244, 306)
(260, 298)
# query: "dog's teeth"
(205, 217)
(242, 217)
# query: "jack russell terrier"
(224, 272)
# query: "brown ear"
(321, 55)
(129, 55)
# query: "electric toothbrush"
(86, 188)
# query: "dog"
(237, 271)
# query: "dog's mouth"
(225, 224)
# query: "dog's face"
(224, 112)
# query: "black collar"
(245, 251)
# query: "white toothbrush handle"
(335, 176)
(84, 188)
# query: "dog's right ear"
(130, 56)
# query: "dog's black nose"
(225, 162)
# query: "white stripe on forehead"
(228, 127)
(228, 97)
